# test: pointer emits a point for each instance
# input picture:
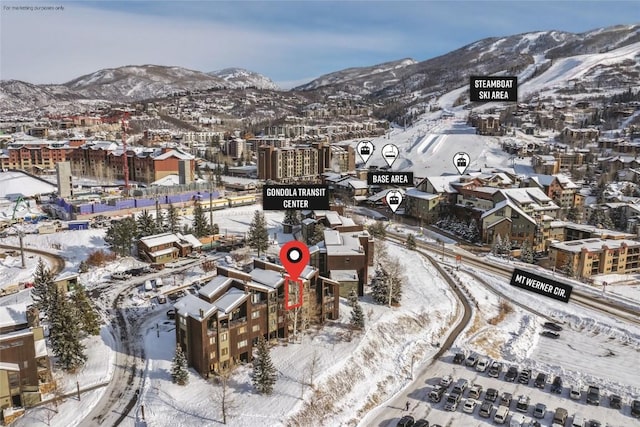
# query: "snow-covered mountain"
(131, 83)
(526, 55)
(241, 78)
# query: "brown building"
(103, 159)
(588, 257)
(167, 247)
(25, 371)
(35, 155)
(219, 328)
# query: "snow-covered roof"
(230, 300)
(41, 348)
(594, 244)
(214, 286)
(19, 183)
(342, 243)
(190, 305)
(174, 153)
(382, 194)
(7, 366)
(512, 205)
(159, 239)
(442, 184)
(417, 194)
(15, 314)
(269, 278)
(190, 239)
(343, 275)
(163, 252)
(167, 181)
(526, 195)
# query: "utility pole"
(20, 236)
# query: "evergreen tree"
(567, 268)
(573, 214)
(497, 245)
(473, 234)
(179, 368)
(507, 246)
(264, 373)
(318, 234)
(121, 235)
(64, 333)
(353, 297)
(258, 236)
(357, 316)
(87, 314)
(526, 252)
(146, 225)
(43, 289)
(172, 224)
(377, 230)
(292, 217)
(200, 225)
(387, 282)
(411, 242)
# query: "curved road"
(57, 262)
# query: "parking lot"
(422, 407)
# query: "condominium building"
(219, 327)
(588, 257)
(34, 155)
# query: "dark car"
(491, 395)
(594, 423)
(171, 313)
(550, 334)
(615, 401)
(512, 374)
(421, 423)
(505, 399)
(556, 386)
(436, 394)
(525, 376)
(593, 395)
(552, 326)
(458, 359)
(495, 369)
(635, 408)
(485, 409)
(540, 410)
(540, 381)
(406, 421)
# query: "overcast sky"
(291, 42)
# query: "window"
(242, 330)
(255, 328)
(255, 314)
(242, 343)
(224, 336)
(212, 340)
(224, 351)
(212, 355)
(272, 309)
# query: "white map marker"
(461, 161)
(393, 199)
(365, 150)
(390, 153)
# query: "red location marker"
(294, 256)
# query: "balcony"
(239, 322)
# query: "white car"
(446, 381)
(469, 406)
(576, 392)
(483, 364)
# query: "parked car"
(576, 392)
(593, 395)
(578, 420)
(472, 360)
(501, 415)
(121, 275)
(505, 399)
(512, 374)
(148, 286)
(517, 420)
(469, 406)
(161, 299)
(525, 376)
(540, 381)
(446, 381)
(406, 421)
(458, 359)
(171, 313)
(421, 423)
(495, 369)
(552, 326)
(594, 423)
(435, 395)
(460, 386)
(615, 401)
(485, 409)
(550, 334)
(523, 403)
(491, 395)
(540, 410)
(482, 364)
(560, 416)
(635, 408)
(451, 404)
(475, 391)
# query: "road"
(57, 262)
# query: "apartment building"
(219, 327)
(588, 257)
(25, 369)
(167, 247)
(288, 164)
(559, 188)
(35, 155)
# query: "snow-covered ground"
(13, 184)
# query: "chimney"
(201, 313)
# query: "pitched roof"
(230, 300)
(190, 305)
(214, 286)
(513, 206)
